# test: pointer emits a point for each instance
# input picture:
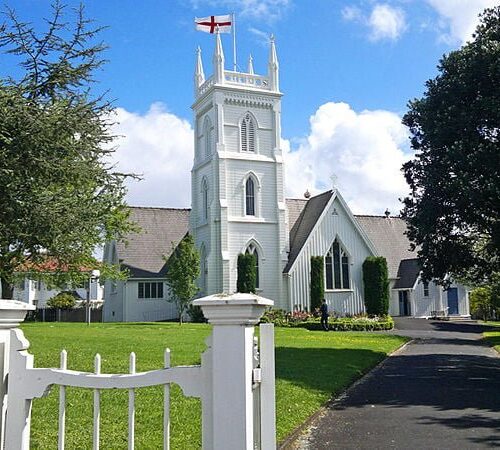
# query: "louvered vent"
(247, 134)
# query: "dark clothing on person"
(324, 316)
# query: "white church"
(239, 206)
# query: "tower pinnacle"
(273, 66)
(218, 59)
(199, 76)
(250, 65)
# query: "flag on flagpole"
(210, 24)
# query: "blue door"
(452, 301)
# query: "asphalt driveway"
(442, 391)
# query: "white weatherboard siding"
(145, 309)
(335, 222)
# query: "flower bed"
(300, 319)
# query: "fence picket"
(131, 406)
(166, 405)
(62, 403)
(97, 410)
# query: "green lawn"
(493, 336)
(310, 367)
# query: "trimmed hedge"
(247, 273)
(376, 282)
(317, 281)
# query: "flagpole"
(234, 43)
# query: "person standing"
(324, 315)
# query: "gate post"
(228, 403)
(12, 313)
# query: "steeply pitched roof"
(407, 274)
(388, 236)
(304, 225)
(142, 253)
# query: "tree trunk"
(7, 290)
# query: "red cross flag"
(210, 24)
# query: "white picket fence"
(235, 380)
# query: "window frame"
(248, 133)
(145, 290)
(337, 262)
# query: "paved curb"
(290, 442)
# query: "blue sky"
(347, 68)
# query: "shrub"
(63, 300)
(376, 281)
(317, 281)
(276, 316)
(196, 314)
(360, 323)
(484, 303)
(247, 273)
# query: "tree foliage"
(183, 268)
(63, 300)
(453, 209)
(59, 194)
(317, 281)
(247, 273)
(485, 300)
(376, 283)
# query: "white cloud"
(459, 18)
(158, 145)
(384, 21)
(267, 10)
(363, 151)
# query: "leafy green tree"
(317, 281)
(247, 273)
(60, 197)
(183, 268)
(485, 300)
(453, 209)
(63, 300)
(376, 283)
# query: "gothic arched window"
(337, 267)
(204, 199)
(247, 134)
(250, 197)
(207, 135)
(252, 249)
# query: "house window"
(337, 267)
(252, 249)
(426, 288)
(147, 290)
(247, 134)
(250, 197)
(204, 193)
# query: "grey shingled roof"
(294, 207)
(142, 253)
(304, 225)
(407, 274)
(388, 236)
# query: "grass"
(493, 336)
(310, 367)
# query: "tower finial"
(199, 75)
(273, 66)
(218, 59)
(250, 65)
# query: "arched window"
(337, 267)
(207, 135)
(247, 134)
(204, 199)
(252, 249)
(250, 197)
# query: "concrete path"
(442, 391)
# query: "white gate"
(235, 380)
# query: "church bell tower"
(237, 184)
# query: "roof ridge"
(378, 216)
(159, 207)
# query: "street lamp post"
(94, 277)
